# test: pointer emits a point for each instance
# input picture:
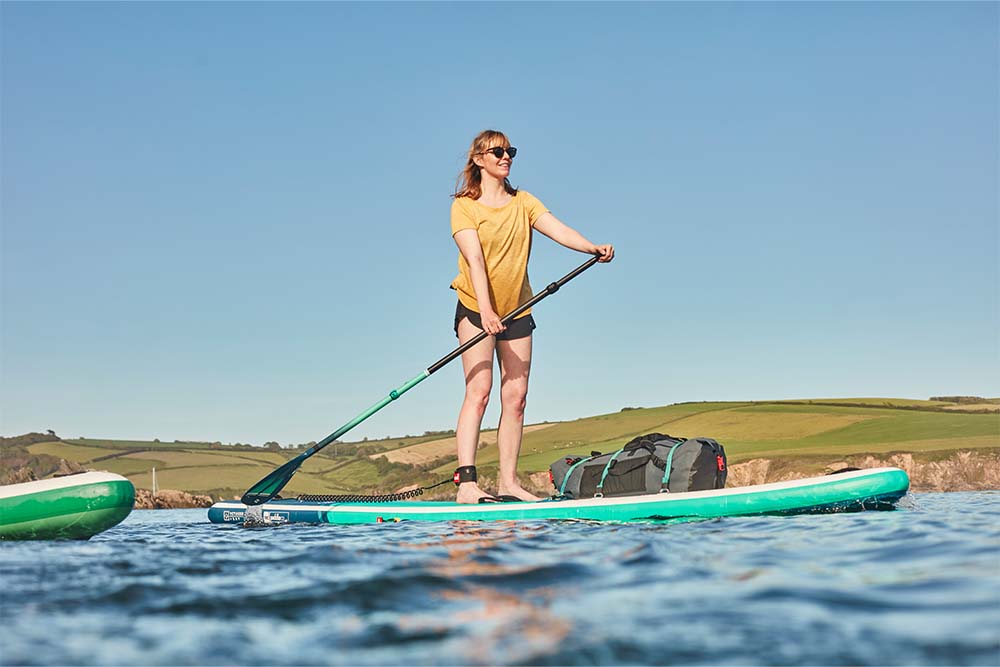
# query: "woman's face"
(497, 167)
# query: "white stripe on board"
(69, 481)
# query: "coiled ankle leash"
(462, 474)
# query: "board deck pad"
(871, 489)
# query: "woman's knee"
(478, 395)
(514, 398)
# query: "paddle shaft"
(552, 288)
(269, 487)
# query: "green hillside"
(792, 429)
(807, 433)
(217, 469)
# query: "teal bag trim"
(600, 485)
(665, 482)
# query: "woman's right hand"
(491, 322)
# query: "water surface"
(916, 586)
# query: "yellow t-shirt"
(505, 235)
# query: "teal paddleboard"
(872, 489)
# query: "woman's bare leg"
(515, 366)
(477, 363)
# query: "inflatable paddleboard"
(872, 489)
(74, 507)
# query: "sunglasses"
(498, 151)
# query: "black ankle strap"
(465, 474)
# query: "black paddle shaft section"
(552, 288)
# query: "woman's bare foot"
(517, 492)
(470, 493)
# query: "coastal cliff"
(967, 470)
(167, 499)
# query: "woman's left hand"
(607, 252)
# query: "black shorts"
(519, 328)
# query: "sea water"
(915, 586)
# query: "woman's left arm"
(565, 235)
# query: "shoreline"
(169, 499)
(963, 470)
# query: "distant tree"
(52, 433)
(272, 445)
(156, 440)
(959, 399)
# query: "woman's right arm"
(472, 250)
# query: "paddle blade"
(269, 487)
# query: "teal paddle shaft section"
(268, 488)
(393, 395)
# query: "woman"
(491, 222)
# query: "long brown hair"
(470, 180)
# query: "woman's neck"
(491, 188)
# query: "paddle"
(269, 487)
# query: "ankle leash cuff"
(465, 474)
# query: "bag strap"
(562, 487)
(657, 461)
(665, 482)
(600, 485)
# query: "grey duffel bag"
(651, 463)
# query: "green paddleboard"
(74, 507)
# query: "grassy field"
(226, 471)
(805, 432)
(430, 451)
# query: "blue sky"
(229, 221)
